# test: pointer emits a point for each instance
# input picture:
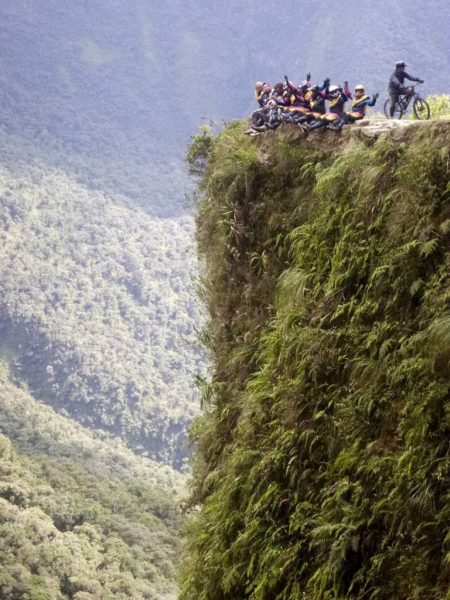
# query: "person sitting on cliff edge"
(336, 102)
(258, 117)
(317, 107)
(299, 98)
(262, 93)
(396, 84)
(360, 102)
(278, 103)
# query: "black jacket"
(397, 81)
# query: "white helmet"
(334, 91)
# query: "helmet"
(259, 86)
(334, 91)
(400, 64)
(305, 84)
(360, 88)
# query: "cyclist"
(262, 93)
(317, 107)
(281, 95)
(278, 103)
(396, 84)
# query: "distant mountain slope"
(96, 305)
(80, 517)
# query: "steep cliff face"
(323, 457)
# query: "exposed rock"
(366, 130)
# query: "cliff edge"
(322, 465)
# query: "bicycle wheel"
(398, 110)
(421, 109)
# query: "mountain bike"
(420, 107)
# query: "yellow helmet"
(360, 88)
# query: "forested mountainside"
(323, 462)
(80, 517)
(98, 268)
(96, 308)
(96, 315)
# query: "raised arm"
(347, 91)
(324, 88)
(294, 89)
(373, 101)
(344, 96)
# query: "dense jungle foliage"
(96, 305)
(323, 458)
(80, 517)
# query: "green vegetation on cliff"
(323, 457)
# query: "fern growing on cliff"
(323, 462)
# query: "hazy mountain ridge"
(86, 119)
(153, 71)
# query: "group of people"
(315, 106)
